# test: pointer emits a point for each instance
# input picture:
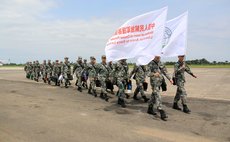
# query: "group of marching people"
(90, 75)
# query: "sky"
(52, 29)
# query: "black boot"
(89, 91)
(145, 99)
(163, 115)
(123, 103)
(135, 94)
(66, 85)
(79, 89)
(185, 109)
(150, 110)
(94, 93)
(175, 106)
(106, 97)
(119, 101)
(127, 95)
(102, 96)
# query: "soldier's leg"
(158, 101)
(177, 98)
(79, 82)
(103, 94)
(137, 90)
(90, 87)
(183, 96)
(151, 101)
(141, 89)
(121, 93)
(93, 85)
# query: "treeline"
(201, 62)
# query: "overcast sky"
(53, 29)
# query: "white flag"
(137, 35)
(175, 37)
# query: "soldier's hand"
(171, 81)
(194, 76)
(157, 74)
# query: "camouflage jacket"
(157, 67)
(56, 70)
(139, 73)
(179, 70)
(66, 68)
(103, 70)
(78, 68)
(121, 71)
(92, 70)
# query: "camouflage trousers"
(140, 88)
(121, 89)
(92, 83)
(79, 81)
(180, 93)
(155, 99)
(37, 74)
(103, 84)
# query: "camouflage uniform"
(85, 75)
(37, 69)
(26, 69)
(179, 69)
(155, 67)
(48, 71)
(56, 72)
(121, 71)
(92, 70)
(139, 73)
(103, 76)
(66, 72)
(33, 70)
(78, 70)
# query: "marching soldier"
(92, 70)
(56, 72)
(48, 71)
(78, 70)
(37, 69)
(103, 76)
(43, 71)
(179, 69)
(110, 82)
(66, 71)
(156, 70)
(121, 71)
(139, 73)
(85, 75)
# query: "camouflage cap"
(79, 58)
(103, 57)
(92, 58)
(66, 58)
(181, 55)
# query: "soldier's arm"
(165, 72)
(74, 67)
(188, 70)
(149, 73)
(133, 71)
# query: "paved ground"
(37, 112)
